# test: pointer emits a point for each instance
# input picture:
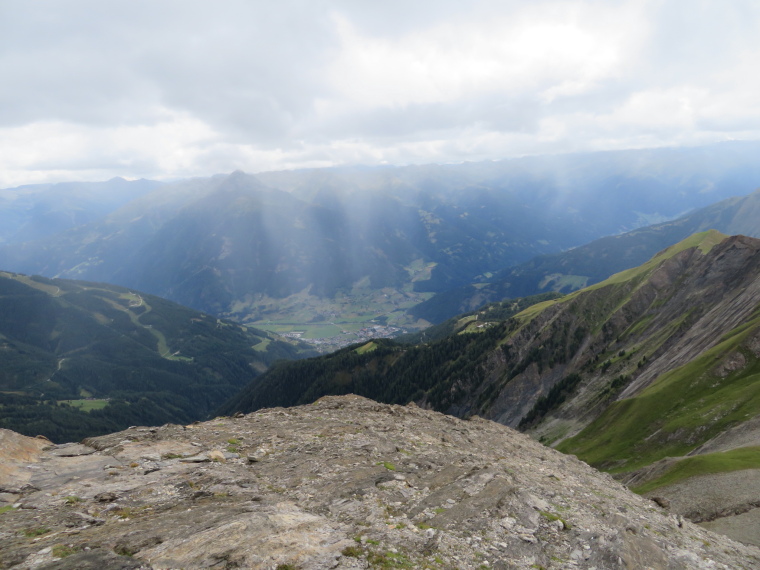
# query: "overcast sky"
(160, 88)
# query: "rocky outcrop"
(342, 483)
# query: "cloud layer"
(181, 88)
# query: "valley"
(332, 323)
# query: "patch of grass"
(388, 465)
(129, 512)
(365, 348)
(85, 405)
(353, 551)
(39, 531)
(551, 517)
(72, 500)
(388, 560)
(6, 509)
(719, 462)
(63, 550)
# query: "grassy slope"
(684, 408)
(680, 411)
(720, 462)
(703, 240)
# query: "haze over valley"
(334, 256)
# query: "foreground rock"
(342, 483)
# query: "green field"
(86, 405)
(312, 318)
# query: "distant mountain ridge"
(239, 245)
(593, 262)
(36, 211)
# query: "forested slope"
(84, 358)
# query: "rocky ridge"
(341, 483)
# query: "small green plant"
(388, 560)
(439, 510)
(6, 509)
(286, 567)
(423, 526)
(388, 465)
(551, 517)
(125, 513)
(72, 500)
(39, 531)
(172, 456)
(353, 551)
(63, 550)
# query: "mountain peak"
(239, 180)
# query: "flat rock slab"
(70, 450)
(342, 483)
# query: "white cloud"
(134, 88)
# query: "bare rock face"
(342, 483)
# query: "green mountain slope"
(79, 359)
(683, 409)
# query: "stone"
(320, 478)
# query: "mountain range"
(324, 251)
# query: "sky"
(169, 89)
